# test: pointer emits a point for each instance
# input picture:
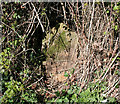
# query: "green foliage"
(116, 9)
(13, 87)
(5, 57)
(91, 94)
(16, 16)
(111, 99)
(16, 92)
(29, 96)
(66, 74)
(43, 12)
(15, 74)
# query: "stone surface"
(61, 45)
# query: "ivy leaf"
(11, 93)
(115, 8)
(74, 98)
(14, 16)
(63, 91)
(66, 99)
(43, 14)
(116, 27)
(57, 93)
(85, 4)
(107, 11)
(70, 92)
(59, 100)
(92, 99)
(6, 73)
(73, 71)
(15, 42)
(15, 23)
(3, 38)
(66, 74)
(13, 27)
(104, 32)
(44, 9)
(19, 16)
(53, 100)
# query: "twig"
(24, 51)
(46, 91)
(35, 82)
(25, 3)
(11, 29)
(114, 85)
(63, 10)
(38, 18)
(91, 21)
(110, 65)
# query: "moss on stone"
(58, 41)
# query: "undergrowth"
(93, 93)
